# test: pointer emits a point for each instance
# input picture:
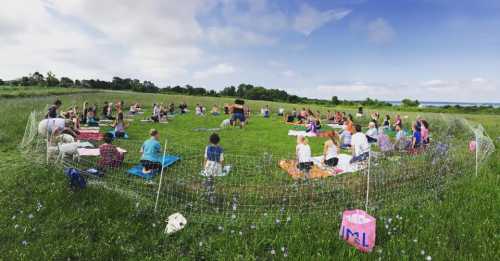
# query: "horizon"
(432, 51)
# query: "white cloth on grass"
(301, 133)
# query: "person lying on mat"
(214, 157)
(120, 125)
(331, 150)
(151, 153)
(304, 157)
(359, 145)
(109, 157)
(372, 132)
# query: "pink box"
(358, 229)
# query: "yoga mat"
(136, 170)
(95, 152)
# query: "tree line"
(245, 91)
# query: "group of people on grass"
(350, 136)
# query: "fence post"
(161, 175)
(477, 149)
(368, 178)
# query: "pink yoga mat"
(94, 152)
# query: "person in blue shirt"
(214, 157)
(417, 137)
(151, 152)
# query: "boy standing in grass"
(214, 157)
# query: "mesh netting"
(258, 187)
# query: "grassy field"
(41, 218)
(27, 91)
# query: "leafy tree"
(66, 82)
(37, 79)
(335, 100)
(410, 103)
(52, 79)
(2, 82)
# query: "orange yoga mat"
(290, 166)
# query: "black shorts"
(305, 166)
(150, 165)
(332, 162)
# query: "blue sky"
(422, 49)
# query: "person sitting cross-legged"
(359, 145)
(151, 153)
(110, 157)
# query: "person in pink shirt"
(424, 131)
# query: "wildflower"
(422, 252)
(201, 243)
(241, 233)
(16, 226)
(288, 219)
(13, 217)
(30, 216)
(273, 252)
(253, 226)
(278, 221)
(428, 258)
(220, 228)
(24, 242)
(233, 216)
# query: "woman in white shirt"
(303, 153)
(372, 132)
(331, 150)
(359, 145)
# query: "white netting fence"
(257, 186)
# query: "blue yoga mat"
(136, 170)
(114, 136)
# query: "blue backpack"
(76, 181)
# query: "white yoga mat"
(301, 133)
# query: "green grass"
(7, 91)
(460, 223)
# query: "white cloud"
(88, 38)
(231, 36)
(473, 90)
(309, 19)
(380, 31)
(288, 73)
(217, 70)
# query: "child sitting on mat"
(214, 157)
(110, 157)
(120, 126)
(304, 158)
(151, 153)
(331, 150)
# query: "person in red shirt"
(110, 157)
